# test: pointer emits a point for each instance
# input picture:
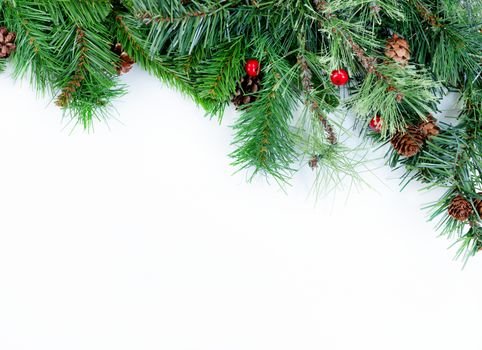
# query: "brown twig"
(370, 64)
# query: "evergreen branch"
(426, 14)
(133, 42)
(377, 96)
(89, 86)
(263, 137)
(307, 83)
(34, 58)
(170, 21)
(453, 160)
(74, 82)
(216, 76)
(86, 13)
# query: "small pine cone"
(409, 142)
(7, 42)
(430, 127)
(313, 162)
(460, 208)
(125, 64)
(398, 49)
(319, 4)
(478, 205)
(246, 90)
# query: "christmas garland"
(391, 60)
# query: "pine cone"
(125, 63)
(430, 127)
(409, 142)
(478, 205)
(246, 90)
(398, 49)
(7, 40)
(313, 162)
(460, 208)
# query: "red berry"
(376, 124)
(339, 77)
(252, 68)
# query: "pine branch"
(133, 40)
(90, 85)
(173, 26)
(263, 138)
(307, 83)
(34, 57)
(453, 160)
(217, 74)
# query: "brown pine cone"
(125, 63)
(460, 208)
(313, 162)
(246, 90)
(409, 142)
(478, 205)
(398, 49)
(7, 42)
(430, 127)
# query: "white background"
(138, 236)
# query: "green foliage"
(172, 70)
(216, 76)
(444, 38)
(33, 23)
(453, 160)
(402, 96)
(173, 26)
(263, 136)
